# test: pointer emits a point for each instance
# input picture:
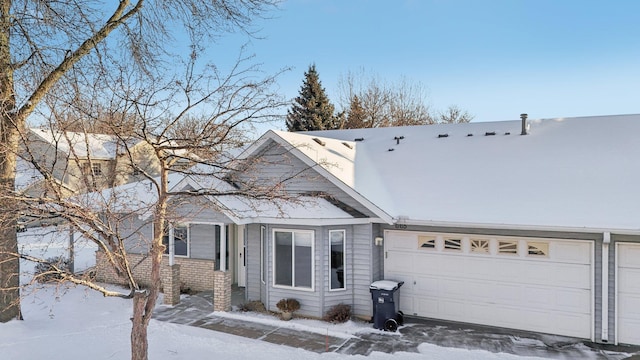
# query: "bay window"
(293, 258)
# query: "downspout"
(606, 240)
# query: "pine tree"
(356, 115)
(312, 109)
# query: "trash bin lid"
(385, 285)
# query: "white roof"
(567, 172)
(96, 146)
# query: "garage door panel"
(629, 256)
(537, 294)
(628, 293)
(399, 261)
(630, 278)
(565, 251)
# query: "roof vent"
(397, 139)
(347, 145)
(391, 149)
(442, 136)
(319, 141)
(523, 117)
(507, 133)
(489, 133)
(359, 139)
(469, 134)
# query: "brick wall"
(195, 274)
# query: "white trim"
(617, 297)
(605, 287)
(344, 260)
(263, 240)
(593, 230)
(307, 222)
(293, 274)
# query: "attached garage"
(628, 291)
(542, 285)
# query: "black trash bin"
(385, 296)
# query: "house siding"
(254, 284)
(202, 241)
(279, 165)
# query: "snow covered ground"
(75, 323)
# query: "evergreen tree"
(312, 109)
(356, 115)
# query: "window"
(508, 247)
(337, 259)
(293, 258)
(96, 169)
(180, 240)
(453, 244)
(92, 168)
(480, 246)
(426, 242)
(263, 254)
(538, 249)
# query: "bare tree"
(454, 115)
(371, 102)
(189, 125)
(55, 56)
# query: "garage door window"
(536, 249)
(453, 244)
(293, 258)
(426, 242)
(509, 247)
(480, 246)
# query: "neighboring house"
(485, 225)
(82, 162)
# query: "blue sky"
(494, 58)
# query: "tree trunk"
(139, 341)
(9, 127)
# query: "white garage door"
(628, 293)
(531, 284)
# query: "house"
(80, 162)
(526, 224)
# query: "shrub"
(288, 305)
(254, 306)
(46, 271)
(338, 314)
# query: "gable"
(274, 163)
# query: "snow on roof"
(26, 174)
(96, 146)
(567, 172)
(245, 209)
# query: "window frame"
(188, 239)
(313, 260)
(504, 247)
(344, 259)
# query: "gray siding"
(275, 164)
(254, 284)
(202, 241)
(358, 260)
(362, 265)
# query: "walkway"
(196, 310)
